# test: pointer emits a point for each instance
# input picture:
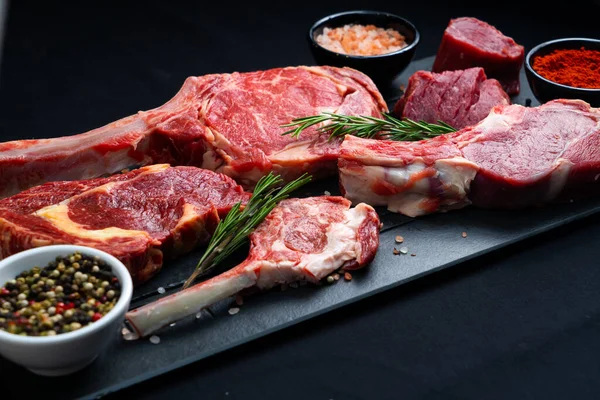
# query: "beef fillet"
(459, 98)
(469, 42)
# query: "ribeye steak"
(469, 42)
(516, 157)
(301, 239)
(139, 217)
(229, 123)
(459, 98)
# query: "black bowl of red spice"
(566, 68)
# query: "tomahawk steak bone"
(516, 157)
(301, 239)
(228, 123)
(139, 217)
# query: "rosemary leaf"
(233, 231)
(388, 127)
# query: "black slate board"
(436, 240)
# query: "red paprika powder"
(572, 67)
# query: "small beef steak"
(138, 217)
(228, 123)
(301, 239)
(516, 157)
(469, 42)
(459, 98)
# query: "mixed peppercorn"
(67, 294)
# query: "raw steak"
(459, 98)
(301, 239)
(138, 217)
(228, 123)
(469, 42)
(516, 157)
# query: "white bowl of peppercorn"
(61, 306)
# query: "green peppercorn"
(77, 281)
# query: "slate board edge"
(206, 354)
(423, 63)
(174, 365)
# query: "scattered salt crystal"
(403, 250)
(128, 335)
(173, 324)
(234, 310)
(161, 290)
(327, 193)
(154, 339)
(198, 315)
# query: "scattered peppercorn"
(65, 295)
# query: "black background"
(520, 323)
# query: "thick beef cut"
(228, 123)
(459, 98)
(516, 157)
(468, 42)
(300, 240)
(139, 217)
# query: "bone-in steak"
(301, 239)
(229, 123)
(459, 98)
(139, 217)
(516, 157)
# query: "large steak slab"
(229, 123)
(140, 217)
(516, 157)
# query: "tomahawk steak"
(228, 123)
(459, 98)
(516, 157)
(301, 239)
(139, 217)
(469, 42)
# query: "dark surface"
(521, 322)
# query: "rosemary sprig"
(388, 127)
(233, 230)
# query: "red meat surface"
(140, 217)
(229, 123)
(459, 98)
(515, 157)
(468, 42)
